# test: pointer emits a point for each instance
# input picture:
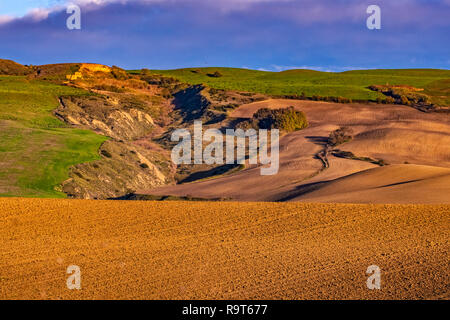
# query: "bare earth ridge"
(414, 143)
(229, 250)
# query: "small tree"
(340, 136)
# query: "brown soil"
(201, 250)
(392, 133)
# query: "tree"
(340, 136)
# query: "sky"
(273, 35)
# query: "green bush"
(215, 74)
(287, 119)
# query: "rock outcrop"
(123, 169)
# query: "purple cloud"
(254, 33)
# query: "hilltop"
(354, 85)
(9, 67)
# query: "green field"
(350, 84)
(36, 148)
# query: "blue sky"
(20, 8)
(329, 35)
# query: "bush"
(119, 73)
(287, 119)
(424, 99)
(389, 100)
(145, 72)
(215, 74)
(106, 154)
(404, 100)
(340, 136)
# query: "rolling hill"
(37, 149)
(93, 131)
(90, 131)
(390, 134)
(350, 84)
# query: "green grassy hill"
(350, 84)
(36, 148)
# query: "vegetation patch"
(349, 85)
(340, 136)
(427, 101)
(351, 156)
(37, 149)
(287, 119)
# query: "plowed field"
(212, 250)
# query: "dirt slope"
(189, 250)
(393, 133)
(389, 184)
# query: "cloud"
(301, 12)
(273, 34)
(38, 14)
(5, 19)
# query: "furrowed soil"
(228, 250)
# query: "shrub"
(215, 74)
(404, 100)
(389, 100)
(287, 119)
(119, 73)
(145, 72)
(106, 154)
(340, 136)
(423, 99)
